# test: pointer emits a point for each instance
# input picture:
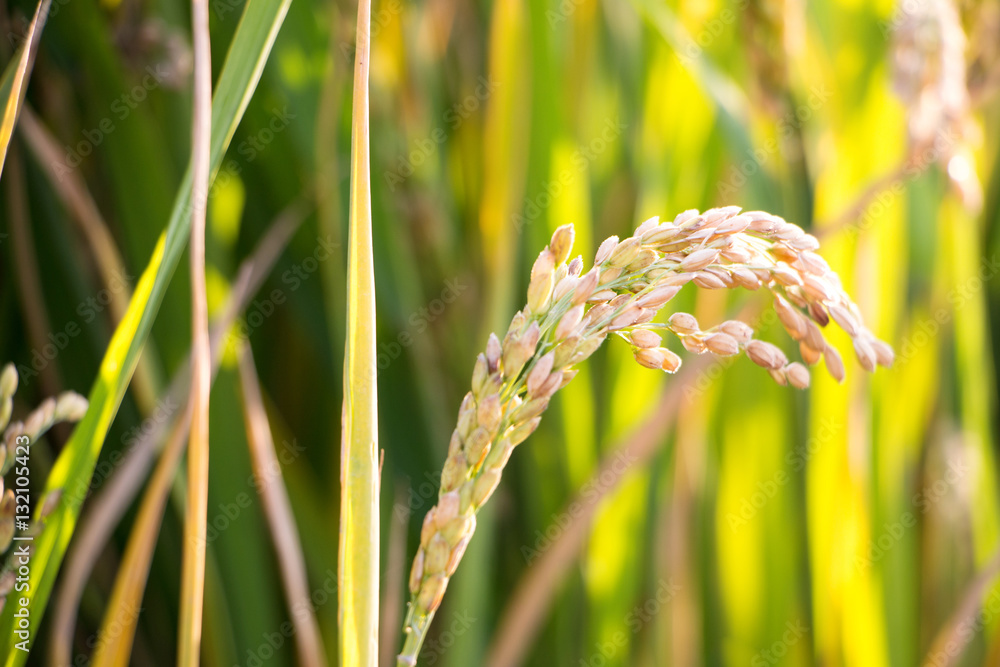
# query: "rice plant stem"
(358, 545)
(280, 518)
(117, 493)
(195, 523)
(416, 630)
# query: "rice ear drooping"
(569, 314)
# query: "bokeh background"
(707, 518)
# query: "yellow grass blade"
(14, 83)
(359, 531)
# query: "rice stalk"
(115, 497)
(119, 625)
(68, 406)
(196, 516)
(395, 575)
(503, 161)
(280, 518)
(569, 314)
(74, 468)
(929, 76)
(358, 545)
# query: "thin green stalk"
(196, 518)
(119, 624)
(74, 468)
(278, 513)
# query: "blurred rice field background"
(707, 518)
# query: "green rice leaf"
(14, 84)
(73, 470)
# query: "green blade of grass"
(117, 628)
(116, 496)
(359, 471)
(74, 468)
(14, 84)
